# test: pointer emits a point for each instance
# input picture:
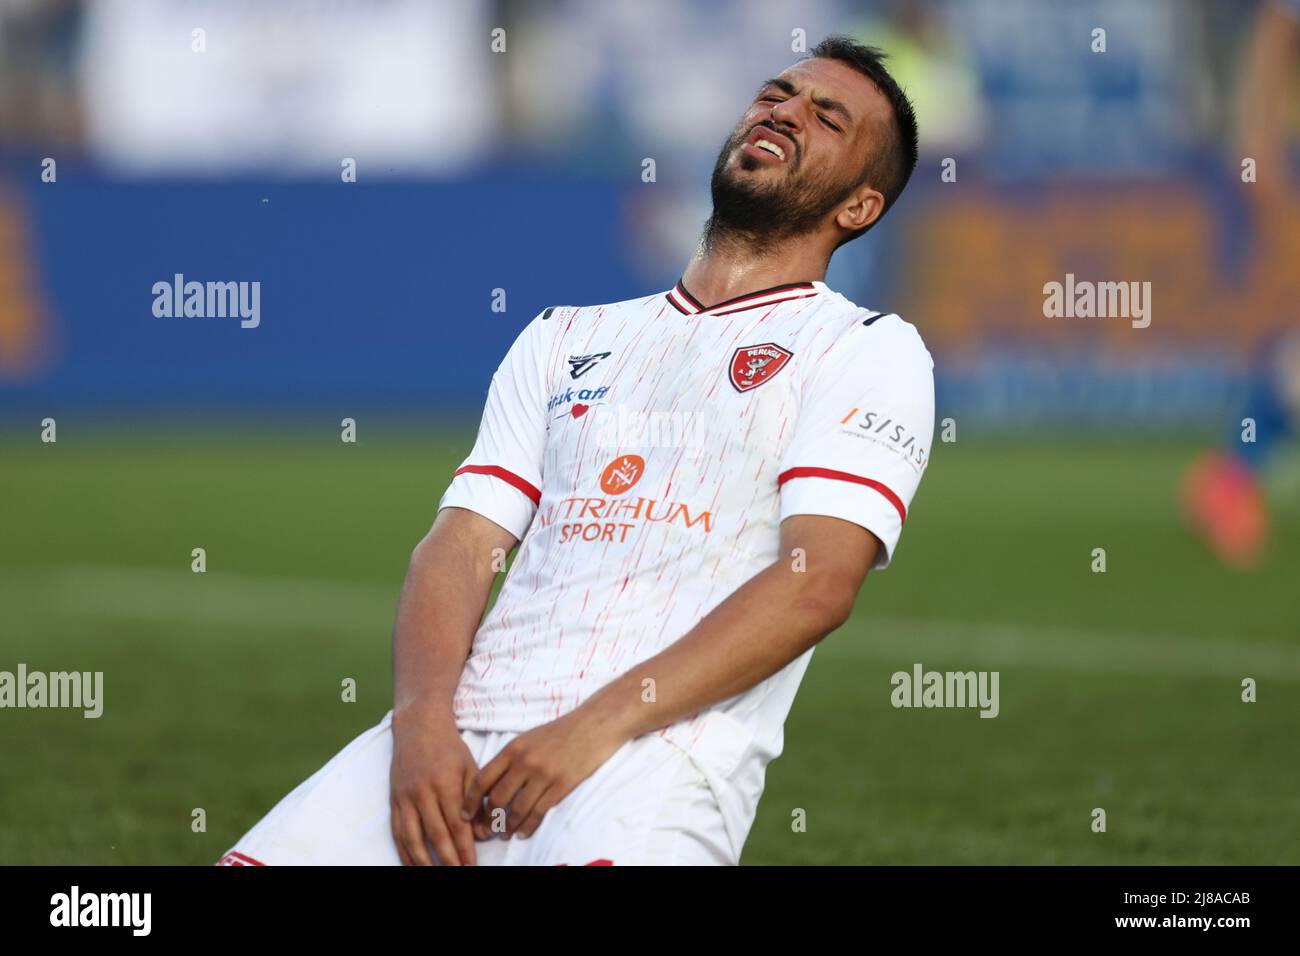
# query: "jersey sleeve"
(502, 477)
(863, 436)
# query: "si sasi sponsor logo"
(883, 430)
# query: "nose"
(786, 113)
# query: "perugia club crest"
(753, 365)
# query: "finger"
(524, 801)
(556, 792)
(501, 795)
(461, 835)
(399, 839)
(482, 825)
(467, 775)
(413, 836)
(483, 781)
(478, 825)
(435, 831)
(545, 803)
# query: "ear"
(861, 209)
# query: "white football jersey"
(645, 453)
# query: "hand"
(537, 770)
(430, 771)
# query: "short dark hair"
(890, 167)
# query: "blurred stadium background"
(522, 171)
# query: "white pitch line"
(154, 594)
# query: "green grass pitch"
(1119, 690)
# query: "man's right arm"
(443, 598)
(489, 505)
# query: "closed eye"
(828, 123)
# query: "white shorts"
(647, 805)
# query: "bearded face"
(776, 194)
(798, 153)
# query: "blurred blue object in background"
(503, 145)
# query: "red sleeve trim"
(235, 858)
(892, 498)
(509, 477)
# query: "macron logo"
(102, 909)
(579, 365)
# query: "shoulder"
(564, 314)
(558, 313)
(857, 334)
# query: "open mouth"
(766, 143)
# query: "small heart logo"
(579, 410)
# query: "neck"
(728, 263)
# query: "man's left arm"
(798, 602)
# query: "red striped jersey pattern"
(645, 453)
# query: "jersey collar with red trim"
(687, 304)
